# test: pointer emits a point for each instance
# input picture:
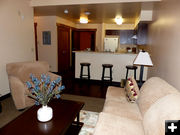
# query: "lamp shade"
(143, 58)
(134, 37)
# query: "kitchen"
(129, 36)
(120, 49)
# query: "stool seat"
(131, 67)
(107, 65)
(85, 64)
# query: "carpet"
(89, 119)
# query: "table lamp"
(142, 59)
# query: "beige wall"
(48, 23)
(49, 52)
(16, 36)
(165, 41)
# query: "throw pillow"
(132, 90)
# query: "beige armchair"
(18, 74)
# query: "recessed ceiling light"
(83, 20)
(66, 11)
(87, 13)
(118, 20)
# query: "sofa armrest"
(17, 91)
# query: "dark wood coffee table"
(64, 114)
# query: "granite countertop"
(102, 52)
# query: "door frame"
(35, 37)
(69, 51)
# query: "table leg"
(78, 119)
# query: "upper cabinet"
(142, 34)
(125, 35)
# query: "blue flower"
(33, 90)
(36, 103)
(43, 77)
(52, 84)
(60, 88)
(37, 88)
(47, 81)
(58, 80)
(28, 84)
(58, 96)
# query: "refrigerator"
(110, 44)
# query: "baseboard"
(5, 96)
(100, 82)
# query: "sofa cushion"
(123, 109)
(152, 90)
(115, 93)
(166, 108)
(109, 124)
(132, 90)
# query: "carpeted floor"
(9, 111)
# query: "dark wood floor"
(90, 88)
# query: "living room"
(18, 42)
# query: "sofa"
(158, 101)
(18, 74)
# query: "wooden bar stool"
(130, 67)
(110, 70)
(83, 76)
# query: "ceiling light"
(118, 20)
(87, 13)
(83, 20)
(66, 11)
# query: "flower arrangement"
(45, 89)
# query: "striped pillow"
(132, 90)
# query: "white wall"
(16, 36)
(119, 61)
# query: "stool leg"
(103, 74)
(81, 73)
(127, 74)
(110, 75)
(88, 73)
(135, 74)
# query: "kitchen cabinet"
(126, 37)
(142, 33)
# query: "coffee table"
(64, 114)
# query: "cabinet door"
(126, 36)
(142, 34)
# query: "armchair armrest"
(18, 92)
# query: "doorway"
(63, 35)
(83, 39)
